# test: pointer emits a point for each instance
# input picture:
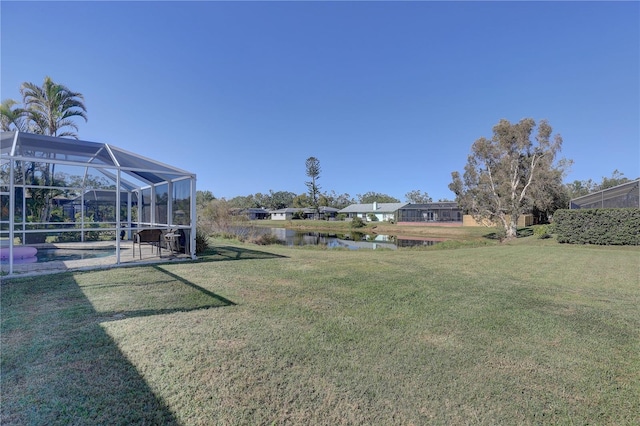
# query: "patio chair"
(152, 237)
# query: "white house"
(308, 213)
(283, 214)
(382, 211)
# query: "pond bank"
(458, 233)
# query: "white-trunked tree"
(505, 174)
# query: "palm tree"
(51, 108)
(12, 118)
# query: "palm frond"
(50, 107)
(12, 117)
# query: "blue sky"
(389, 96)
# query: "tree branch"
(532, 169)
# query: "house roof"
(100, 195)
(432, 206)
(286, 210)
(324, 209)
(369, 208)
(321, 209)
(240, 210)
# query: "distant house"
(431, 212)
(308, 213)
(326, 212)
(96, 203)
(382, 211)
(284, 214)
(254, 213)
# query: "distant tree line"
(283, 199)
(275, 200)
(513, 172)
(313, 198)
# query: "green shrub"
(358, 223)
(202, 241)
(372, 217)
(598, 226)
(68, 237)
(542, 231)
(341, 216)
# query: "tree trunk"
(504, 222)
(512, 227)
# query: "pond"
(351, 240)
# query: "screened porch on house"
(430, 212)
(57, 190)
(626, 195)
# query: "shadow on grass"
(223, 301)
(59, 365)
(156, 292)
(499, 235)
(221, 253)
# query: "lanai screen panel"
(430, 212)
(50, 186)
(626, 195)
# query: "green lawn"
(531, 332)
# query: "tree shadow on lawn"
(221, 301)
(59, 366)
(222, 253)
(499, 235)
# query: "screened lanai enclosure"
(444, 211)
(57, 190)
(626, 195)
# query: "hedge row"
(598, 226)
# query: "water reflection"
(351, 240)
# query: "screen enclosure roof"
(102, 156)
(626, 195)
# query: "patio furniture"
(175, 240)
(152, 237)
